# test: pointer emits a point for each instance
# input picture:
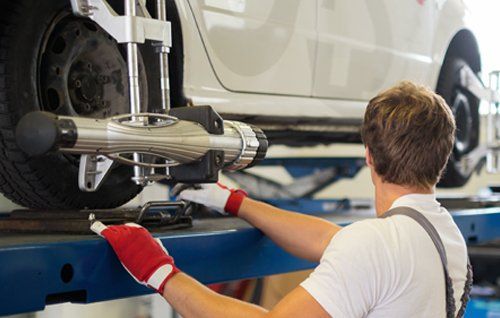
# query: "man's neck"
(387, 193)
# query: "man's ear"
(369, 159)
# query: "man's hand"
(144, 257)
(215, 196)
(279, 225)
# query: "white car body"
(311, 58)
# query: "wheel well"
(464, 45)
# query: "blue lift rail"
(37, 270)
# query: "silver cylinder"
(177, 141)
(133, 82)
(133, 77)
(182, 141)
(164, 50)
(133, 64)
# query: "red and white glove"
(144, 257)
(216, 196)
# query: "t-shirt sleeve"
(347, 282)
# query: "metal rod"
(133, 77)
(133, 64)
(489, 129)
(496, 129)
(493, 127)
(164, 50)
(161, 9)
(164, 82)
(130, 7)
(134, 89)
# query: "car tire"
(465, 107)
(50, 181)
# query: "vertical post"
(133, 80)
(493, 127)
(496, 128)
(133, 64)
(161, 9)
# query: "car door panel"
(365, 46)
(264, 46)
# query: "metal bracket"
(473, 84)
(493, 127)
(136, 26)
(470, 161)
(491, 149)
(92, 172)
(125, 29)
(155, 216)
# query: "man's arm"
(147, 260)
(192, 299)
(301, 235)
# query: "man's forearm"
(147, 260)
(192, 299)
(301, 235)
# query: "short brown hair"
(409, 131)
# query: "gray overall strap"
(436, 239)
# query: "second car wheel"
(465, 107)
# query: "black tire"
(49, 181)
(465, 107)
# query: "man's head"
(409, 132)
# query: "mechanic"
(384, 267)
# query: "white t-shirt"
(390, 267)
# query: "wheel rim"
(82, 71)
(463, 117)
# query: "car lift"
(41, 269)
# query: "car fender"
(452, 18)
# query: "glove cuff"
(234, 201)
(175, 270)
(161, 276)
